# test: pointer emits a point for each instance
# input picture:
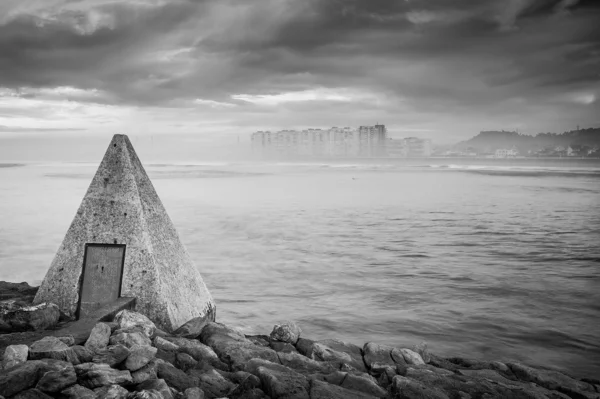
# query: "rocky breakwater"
(131, 358)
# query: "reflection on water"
(492, 261)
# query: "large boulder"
(50, 348)
(99, 337)
(377, 356)
(409, 356)
(14, 355)
(127, 319)
(279, 381)
(286, 332)
(14, 318)
(19, 378)
(60, 377)
(233, 347)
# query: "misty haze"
(386, 172)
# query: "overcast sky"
(214, 69)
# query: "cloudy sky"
(210, 70)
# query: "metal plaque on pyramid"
(122, 243)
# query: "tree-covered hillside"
(489, 141)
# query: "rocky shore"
(129, 357)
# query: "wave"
(11, 165)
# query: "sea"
(484, 259)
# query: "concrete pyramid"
(122, 207)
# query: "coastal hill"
(584, 140)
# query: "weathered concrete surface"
(122, 207)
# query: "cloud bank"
(444, 69)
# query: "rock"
(28, 318)
(111, 392)
(139, 357)
(77, 392)
(386, 376)
(48, 347)
(279, 381)
(192, 328)
(126, 319)
(421, 349)
(553, 380)
(163, 344)
(255, 393)
(260, 340)
(149, 394)
(334, 350)
(158, 385)
(32, 394)
(282, 347)
(193, 393)
(175, 377)
(19, 378)
(14, 355)
(452, 384)
(304, 365)
(184, 362)
(410, 357)
(305, 346)
(363, 383)
(214, 384)
(286, 332)
(439, 362)
(148, 372)
(68, 340)
(485, 374)
(129, 339)
(375, 354)
(194, 348)
(323, 390)
(99, 337)
(403, 387)
(99, 375)
(112, 355)
(57, 380)
(215, 333)
(79, 354)
(167, 356)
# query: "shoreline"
(221, 361)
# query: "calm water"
(489, 260)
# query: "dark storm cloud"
(435, 52)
